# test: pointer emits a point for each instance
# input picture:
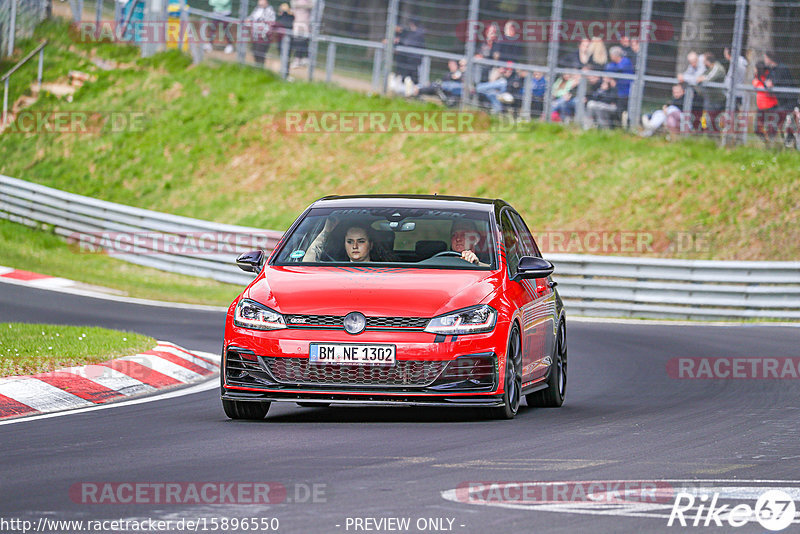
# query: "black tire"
(553, 395)
(252, 411)
(314, 404)
(512, 378)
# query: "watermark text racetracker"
(185, 244)
(29, 121)
(208, 493)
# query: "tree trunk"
(696, 31)
(759, 30)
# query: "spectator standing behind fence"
(511, 48)
(713, 97)
(696, 67)
(412, 35)
(261, 20)
(779, 76)
(766, 104)
(223, 8)
(489, 49)
(302, 31)
(284, 23)
(591, 52)
(619, 64)
(741, 72)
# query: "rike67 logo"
(774, 510)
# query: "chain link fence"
(18, 18)
(722, 68)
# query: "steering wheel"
(447, 253)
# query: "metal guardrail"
(590, 285)
(168, 242)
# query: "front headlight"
(251, 314)
(468, 321)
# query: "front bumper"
(372, 399)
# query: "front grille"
(413, 373)
(335, 321)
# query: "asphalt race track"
(624, 419)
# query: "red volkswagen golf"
(397, 300)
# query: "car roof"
(410, 201)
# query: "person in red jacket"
(767, 104)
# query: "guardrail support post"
(330, 59)
(552, 57)
(388, 51)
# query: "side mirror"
(533, 267)
(251, 262)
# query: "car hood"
(381, 291)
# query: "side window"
(512, 244)
(529, 247)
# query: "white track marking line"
(6, 270)
(39, 395)
(204, 386)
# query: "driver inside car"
(464, 236)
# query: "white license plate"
(346, 354)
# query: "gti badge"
(354, 323)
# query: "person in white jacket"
(302, 30)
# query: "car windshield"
(397, 237)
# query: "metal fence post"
(580, 105)
(388, 50)
(469, 51)
(425, 70)
(330, 59)
(377, 65)
(5, 101)
(182, 19)
(12, 30)
(552, 57)
(313, 44)
(241, 48)
(39, 70)
(736, 50)
(635, 99)
(98, 14)
(527, 90)
(286, 44)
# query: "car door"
(523, 296)
(541, 319)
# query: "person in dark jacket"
(779, 76)
(601, 105)
(618, 63)
(407, 63)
